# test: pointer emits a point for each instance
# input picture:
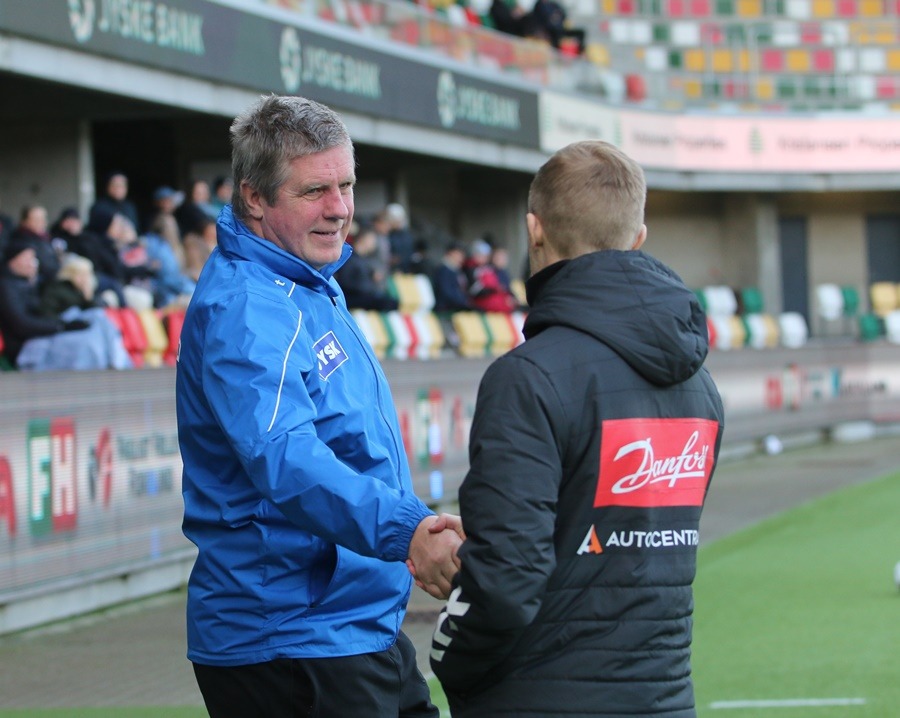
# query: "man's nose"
(338, 204)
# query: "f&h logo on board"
(52, 476)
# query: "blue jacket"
(297, 490)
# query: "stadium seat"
(883, 296)
(156, 336)
(472, 333)
(5, 364)
(892, 326)
(426, 292)
(402, 339)
(723, 336)
(757, 333)
(502, 331)
(794, 331)
(372, 327)
(173, 322)
(751, 301)
(517, 287)
(829, 306)
(738, 332)
(720, 300)
(851, 300)
(133, 337)
(871, 327)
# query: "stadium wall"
(90, 471)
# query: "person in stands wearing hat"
(485, 288)
(21, 317)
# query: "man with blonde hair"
(592, 448)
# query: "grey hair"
(273, 131)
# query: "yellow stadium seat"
(157, 337)
(749, 8)
(883, 296)
(503, 335)
(517, 287)
(473, 337)
(438, 340)
(695, 60)
(738, 332)
(371, 326)
(797, 60)
(722, 61)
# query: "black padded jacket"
(592, 448)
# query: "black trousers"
(372, 685)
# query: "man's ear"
(535, 230)
(641, 236)
(252, 200)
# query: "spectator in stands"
(295, 493)
(551, 23)
(500, 262)
(382, 226)
(223, 188)
(420, 262)
(451, 287)
(195, 208)
(171, 284)
(95, 246)
(360, 277)
(32, 228)
(197, 248)
(21, 318)
(114, 199)
(163, 223)
(400, 236)
(570, 437)
(509, 17)
(6, 227)
(485, 289)
(74, 286)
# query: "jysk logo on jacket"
(330, 355)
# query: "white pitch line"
(789, 703)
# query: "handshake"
(433, 560)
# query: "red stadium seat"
(174, 321)
(133, 337)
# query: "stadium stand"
(770, 55)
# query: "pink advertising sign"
(761, 144)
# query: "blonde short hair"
(73, 265)
(589, 196)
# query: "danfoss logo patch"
(655, 462)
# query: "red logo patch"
(655, 462)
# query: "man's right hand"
(432, 553)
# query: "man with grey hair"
(297, 490)
(592, 447)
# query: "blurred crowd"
(60, 275)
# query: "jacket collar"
(236, 240)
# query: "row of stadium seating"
(735, 319)
(737, 316)
(426, 335)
